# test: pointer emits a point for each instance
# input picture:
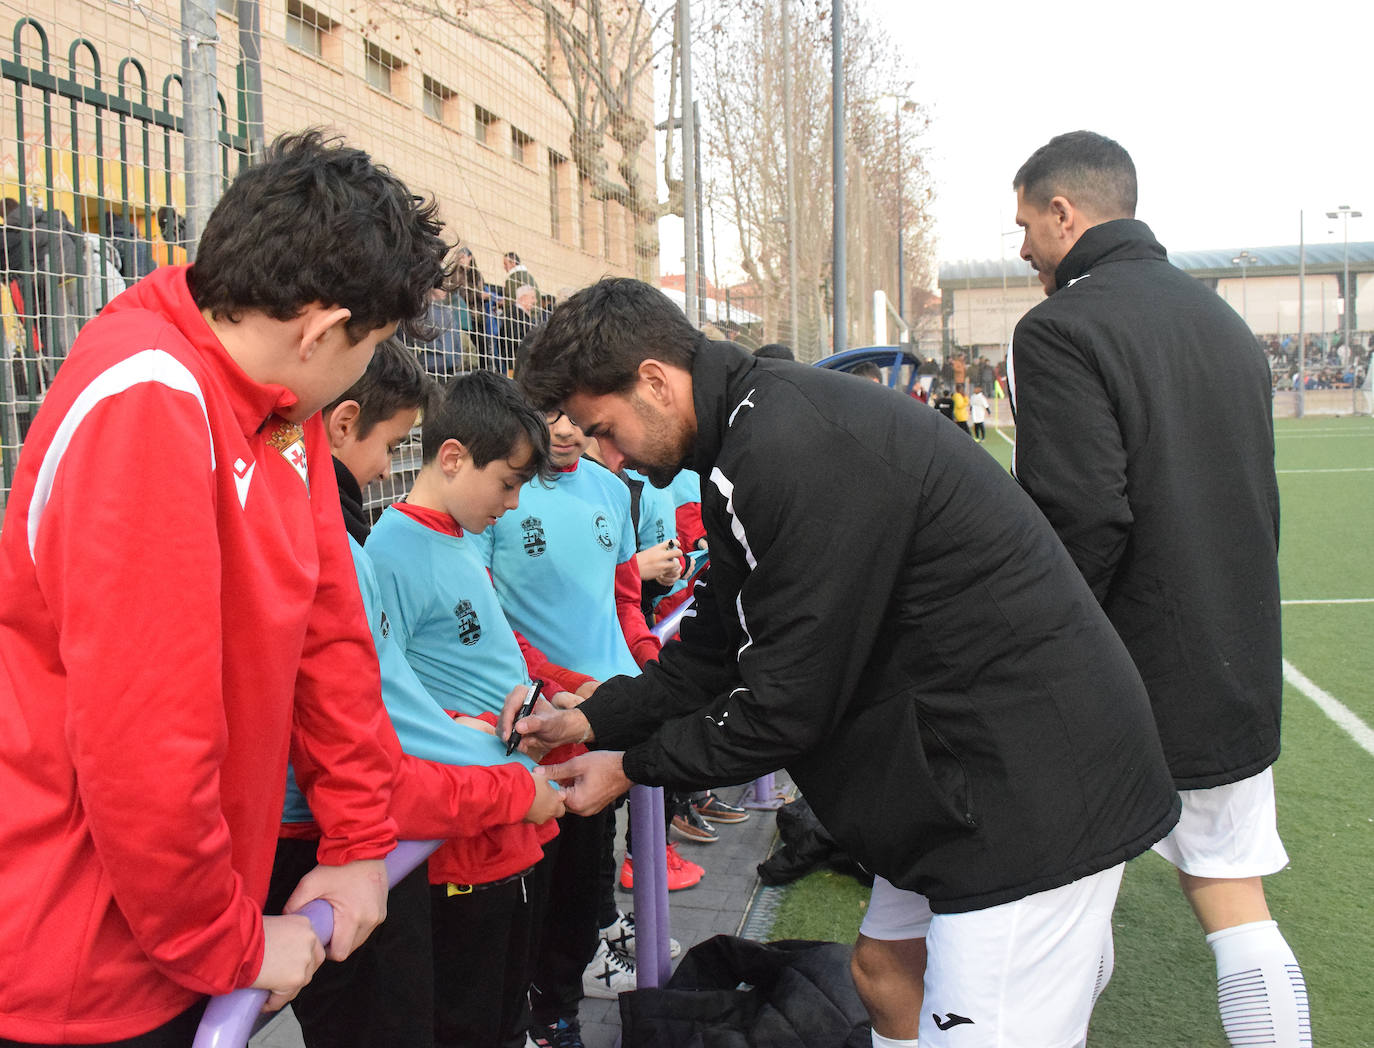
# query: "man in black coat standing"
(1163, 491)
(891, 619)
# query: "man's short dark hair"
(511, 256)
(595, 340)
(867, 369)
(488, 415)
(318, 221)
(1091, 170)
(394, 380)
(775, 351)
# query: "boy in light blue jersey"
(481, 443)
(566, 572)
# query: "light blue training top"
(553, 560)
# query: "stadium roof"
(1268, 261)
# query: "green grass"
(1163, 992)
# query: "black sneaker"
(563, 1034)
(692, 827)
(712, 807)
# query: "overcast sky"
(1237, 115)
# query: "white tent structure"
(714, 308)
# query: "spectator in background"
(170, 249)
(960, 415)
(944, 404)
(868, 370)
(517, 318)
(517, 276)
(21, 250)
(473, 291)
(133, 252)
(978, 413)
(449, 351)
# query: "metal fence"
(94, 195)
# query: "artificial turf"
(1163, 992)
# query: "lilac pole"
(651, 925)
(230, 1020)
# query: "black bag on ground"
(805, 845)
(797, 994)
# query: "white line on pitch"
(1332, 600)
(1342, 469)
(1332, 707)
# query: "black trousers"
(570, 927)
(383, 995)
(176, 1033)
(484, 942)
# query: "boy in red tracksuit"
(178, 612)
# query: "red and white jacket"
(176, 613)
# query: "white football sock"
(1260, 988)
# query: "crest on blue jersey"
(658, 530)
(469, 628)
(533, 530)
(386, 627)
(603, 531)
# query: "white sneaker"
(621, 936)
(609, 975)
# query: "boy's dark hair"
(1094, 172)
(318, 221)
(393, 380)
(487, 414)
(595, 340)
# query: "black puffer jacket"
(1144, 431)
(888, 616)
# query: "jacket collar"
(720, 371)
(1116, 241)
(164, 291)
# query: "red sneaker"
(682, 873)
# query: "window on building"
(225, 7)
(381, 67)
(436, 99)
(521, 145)
(482, 125)
(306, 28)
(560, 199)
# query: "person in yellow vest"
(961, 409)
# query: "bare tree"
(596, 58)
(742, 92)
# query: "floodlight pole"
(1345, 214)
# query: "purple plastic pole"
(762, 795)
(659, 945)
(230, 1020)
(645, 811)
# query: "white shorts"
(894, 913)
(1228, 831)
(1021, 975)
